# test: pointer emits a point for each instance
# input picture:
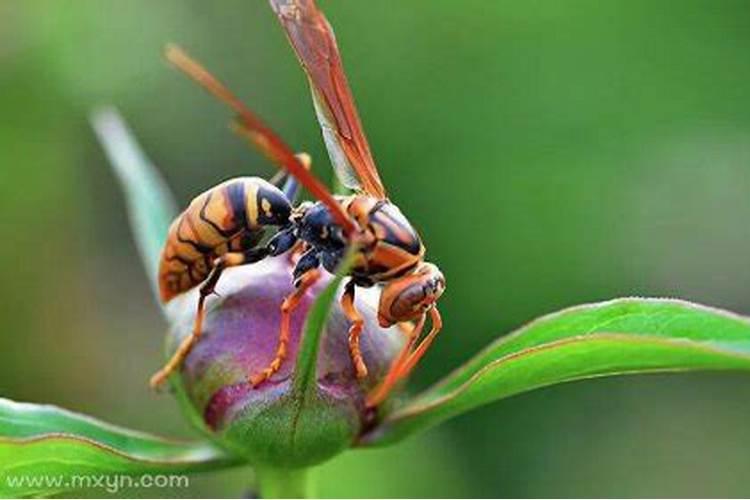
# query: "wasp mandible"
(223, 226)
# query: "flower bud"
(271, 424)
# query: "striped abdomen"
(229, 217)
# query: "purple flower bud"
(269, 425)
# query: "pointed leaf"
(150, 203)
(46, 450)
(315, 324)
(610, 338)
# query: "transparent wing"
(344, 170)
(315, 45)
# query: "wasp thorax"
(266, 424)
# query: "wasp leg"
(286, 241)
(207, 288)
(381, 392)
(287, 183)
(281, 242)
(303, 283)
(414, 357)
(296, 252)
(347, 303)
(402, 368)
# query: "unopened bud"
(269, 424)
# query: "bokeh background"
(551, 153)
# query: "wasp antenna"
(195, 70)
(296, 167)
(252, 128)
(200, 75)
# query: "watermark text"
(111, 483)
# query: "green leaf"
(150, 203)
(315, 324)
(623, 336)
(46, 450)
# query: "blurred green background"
(551, 153)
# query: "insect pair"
(223, 226)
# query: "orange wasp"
(223, 226)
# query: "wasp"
(224, 226)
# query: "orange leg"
(287, 307)
(296, 252)
(380, 393)
(206, 289)
(414, 357)
(347, 303)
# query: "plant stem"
(283, 483)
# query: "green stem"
(283, 483)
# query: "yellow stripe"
(251, 204)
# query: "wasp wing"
(315, 45)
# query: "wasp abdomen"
(230, 217)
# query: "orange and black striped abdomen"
(229, 217)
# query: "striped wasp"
(224, 226)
